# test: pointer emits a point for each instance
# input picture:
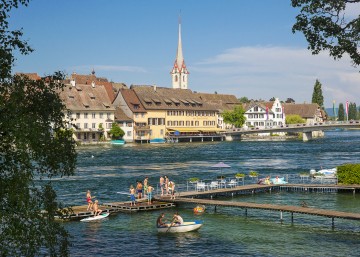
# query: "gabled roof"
(303, 110)
(86, 97)
(31, 76)
(170, 98)
(132, 100)
(262, 105)
(222, 102)
(121, 116)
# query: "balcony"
(142, 128)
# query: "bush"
(349, 173)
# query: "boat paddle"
(171, 224)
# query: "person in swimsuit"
(149, 194)
(132, 196)
(89, 201)
(172, 188)
(97, 211)
(139, 188)
(162, 184)
(177, 219)
(145, 186)
(166, 184)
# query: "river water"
(108, 171)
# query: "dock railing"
(229, 181)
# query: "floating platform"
(80, 212)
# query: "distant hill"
(330, 111)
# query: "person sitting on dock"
(89, 201)
(149, 193)
(139, 188)
(160, 221)
(97, 211)
(162, 185)
(267, 180)
(132, 196)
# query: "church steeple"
(179, 72)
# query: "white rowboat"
(185, 227)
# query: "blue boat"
(157, 141)
(118, 142)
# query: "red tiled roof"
(31, 76)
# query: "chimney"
(154, 87)
(73, 83)
(93, 84)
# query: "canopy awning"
(184, 129)
(211, 129)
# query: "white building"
(90, 109)
(264, 114)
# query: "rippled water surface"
(226, 231)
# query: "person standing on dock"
(145, 186)
(139, 188)
(149, 193)
(89, 201)
(97, 211)
(162, 184)
(166, 184)
(132, 196)
(171, 186)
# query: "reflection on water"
(226, 232)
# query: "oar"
(171, 223)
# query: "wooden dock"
(196, 197)
(81, 212)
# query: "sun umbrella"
(221, 165)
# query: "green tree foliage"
(349, 174)
(317, 96)
(294, 119)
(341, 112)
(235, 117)
(116, 132)
(272, 99)
(326, 25)
(289, 101)
(352, 111)
(244, 100)
(35, 144)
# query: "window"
(136, 115)
(142, 115)
(85, 136)
(93, 115)
(108, 125)
(85, 125)
(85, 115)
(101, 115)
(78, 115)
(78, 136)
(108, 115)
(197, 123)
(256, 109)
(93, 136)
(176, 78)
(161, 132)
(93, 125)
(128, 133)
(78, 125)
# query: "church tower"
(179, 73)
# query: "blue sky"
(244, 48)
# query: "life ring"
(199, 209)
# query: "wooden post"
(215, 209)
(281, 215)
(292, 218)
(245, 212)
(333, 223)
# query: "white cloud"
(267, 71)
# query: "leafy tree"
(272, 99)
(326, 26)
(235, 117)
(116, 131)
(317, 96)
(289, 101)
(294, 119)
(341, 112)
(35, 143)
(352, 111)
(244, 100)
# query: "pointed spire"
(179, 54)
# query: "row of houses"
(146, 112)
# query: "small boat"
(185, 227)
(157, 141)
(98, 217)
(117, 142)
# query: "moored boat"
(185, 227)
(118, 142)
(157, 141)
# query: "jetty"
(206, 197)
(81, 212)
